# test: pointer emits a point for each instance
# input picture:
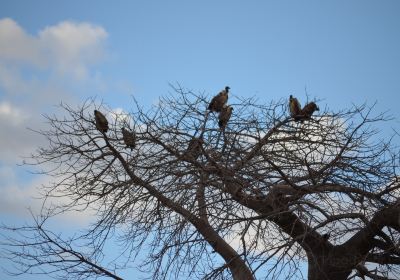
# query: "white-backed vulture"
(101, 121)
(294, 107)
(218, 101)
(224, 116)
(129, 138)
(194, 149)
(308, 110)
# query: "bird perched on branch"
(218, 101)
(129, 138)
(224, 116)
(101, 121)
(194, 149)
(308, 110)
(294, 107)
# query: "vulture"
(129, 138)
(194, 148)
(294, 107)
(308, 110)
(224, 116)
(101, 121)
(218, 101)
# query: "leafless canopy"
(258, 202)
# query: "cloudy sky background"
(340, 52)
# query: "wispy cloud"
(11, 113)
(66, 48)
(20, 198)
(38, 71)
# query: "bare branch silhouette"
(255, 199)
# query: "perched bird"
(101, 121)
(308, 110)
(218, 101)
(224, 116)
(294, 107)
(129, 138)
(194, 150)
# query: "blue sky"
(341, 52)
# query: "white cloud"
(16, 200)
(15, 44)
(72, 46)
(38, 71)
(66, 48)
(19, 198)
(119, 115)
(11, 113)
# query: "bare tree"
(258, 199)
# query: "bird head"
(227, 88)
(291, 97)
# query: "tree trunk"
(324, 268)
(241, 273)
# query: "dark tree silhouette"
(260, 199)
